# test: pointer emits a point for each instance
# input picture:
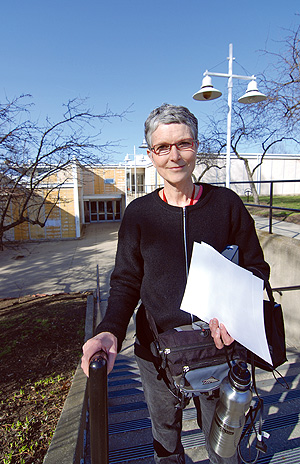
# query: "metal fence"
(270, 206)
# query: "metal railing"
(98, 403)
(285, 289)
(270, 206)
(98, 409)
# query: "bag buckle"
(164, 353)
(202, 326)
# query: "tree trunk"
(251, 181)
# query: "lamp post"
(127, 158)
(145, 145)
(208, 92)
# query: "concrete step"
(130, 426)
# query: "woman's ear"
(150, 154)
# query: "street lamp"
(144, 144)
(208, 92)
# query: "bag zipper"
(186, 369)
(167, 351)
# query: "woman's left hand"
(219, 334)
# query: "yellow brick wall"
(93, 181)
(66, 205)
(120, 179)
(65, 175)
(22, 230)
(53, 222)
(88, 182)
(98, 181)
(37, 232)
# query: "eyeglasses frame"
(174, 145)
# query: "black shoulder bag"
(275, 333)
(186, 357)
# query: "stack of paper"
(218, 288)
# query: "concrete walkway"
(289, 229)
(60, 266)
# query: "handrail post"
(98, 408)
(271, 204)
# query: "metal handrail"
(98, 408)
(285, 289)
(270, 207)
(98, 403)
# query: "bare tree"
(33, 156)
(208, 156)
(282, 81)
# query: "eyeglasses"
(165, 148)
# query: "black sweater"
(151, 256)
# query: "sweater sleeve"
(125, 280)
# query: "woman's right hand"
(105, 341)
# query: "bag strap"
(146, 323)
(269, 292)
(251, 415)
(152, 324)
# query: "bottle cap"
(240, 375)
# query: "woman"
(154, 251)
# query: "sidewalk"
(60, 266)
(289, 229)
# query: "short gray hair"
(170, 114)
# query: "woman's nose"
(174, 153)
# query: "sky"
(133, 54)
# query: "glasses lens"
(163, 149)
(185, 145)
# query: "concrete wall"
(283, 255)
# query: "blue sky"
(133, 53)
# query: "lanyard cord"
(191, 201)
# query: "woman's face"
(177, 166)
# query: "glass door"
(102, 211)
(109, 211)
(94, 212)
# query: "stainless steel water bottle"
(229, 417)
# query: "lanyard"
(191, 201)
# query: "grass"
(40, 341)
(284, 201)
(287, 201)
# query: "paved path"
(60, 266)
(289, 229)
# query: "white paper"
(216, 287)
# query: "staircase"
(130, 428)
